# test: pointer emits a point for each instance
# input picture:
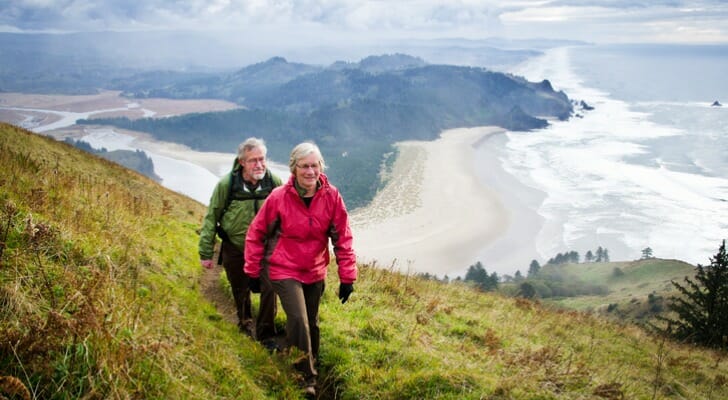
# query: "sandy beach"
(434, 215)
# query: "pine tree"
(526, 290)
(533, 269)
(588, 257)
(478, 274)
(518, 276)
(702, 308)
(646, 253)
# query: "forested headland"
(354, 111)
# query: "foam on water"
(609, 183)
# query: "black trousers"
(233, 260)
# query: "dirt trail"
(213, 292)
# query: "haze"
(237, 32)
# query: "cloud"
(595, 20)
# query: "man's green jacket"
(233, 206)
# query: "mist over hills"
(354, 111)
(84, 62)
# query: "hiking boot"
(309, 387)
(309, 391)
(247, 327)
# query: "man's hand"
(208, 264)
(345, 290)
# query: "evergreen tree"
(518, 276)
(533, 269)
(646, 253)
(526, 290)
(702, 308)
(589, 256)
(600, 254)
(477, 273)
(605, 255)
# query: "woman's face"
(308, 170)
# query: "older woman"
(290, 234)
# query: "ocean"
(647, 167)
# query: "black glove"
(345, 290)
(254, 285)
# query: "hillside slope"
(624, 281)
(100, 298)
(99, 294)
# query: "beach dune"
(433, 215)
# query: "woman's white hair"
(304, 150)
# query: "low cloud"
(349, 19)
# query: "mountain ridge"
(354, 115)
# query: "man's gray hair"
(303, 150)
(250, 144)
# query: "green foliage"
(483, 281)
(702, 306)
(568, 257)
(534, 268)
(646, 253)
(135, 160)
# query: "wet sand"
(435, 215)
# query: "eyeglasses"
(253, 161)
(304, 167)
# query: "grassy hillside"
(99, 292)
(625, 281)
(100, 298)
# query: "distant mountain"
(463, 93)
(384, 63)
(358, 109)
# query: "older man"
(236, 199)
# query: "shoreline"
(518, 246)
(437, 214)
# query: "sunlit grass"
(99, 282)
(100, 298)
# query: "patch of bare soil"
(215, 294)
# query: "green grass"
(100, 298)
(634, 281)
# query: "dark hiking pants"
(232, 261)
(301, 304)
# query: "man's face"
(253, 165)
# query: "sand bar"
(132, 108)
(434, 215)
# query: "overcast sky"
(317, 21)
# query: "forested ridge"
(355, 112)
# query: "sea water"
(647, 167)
